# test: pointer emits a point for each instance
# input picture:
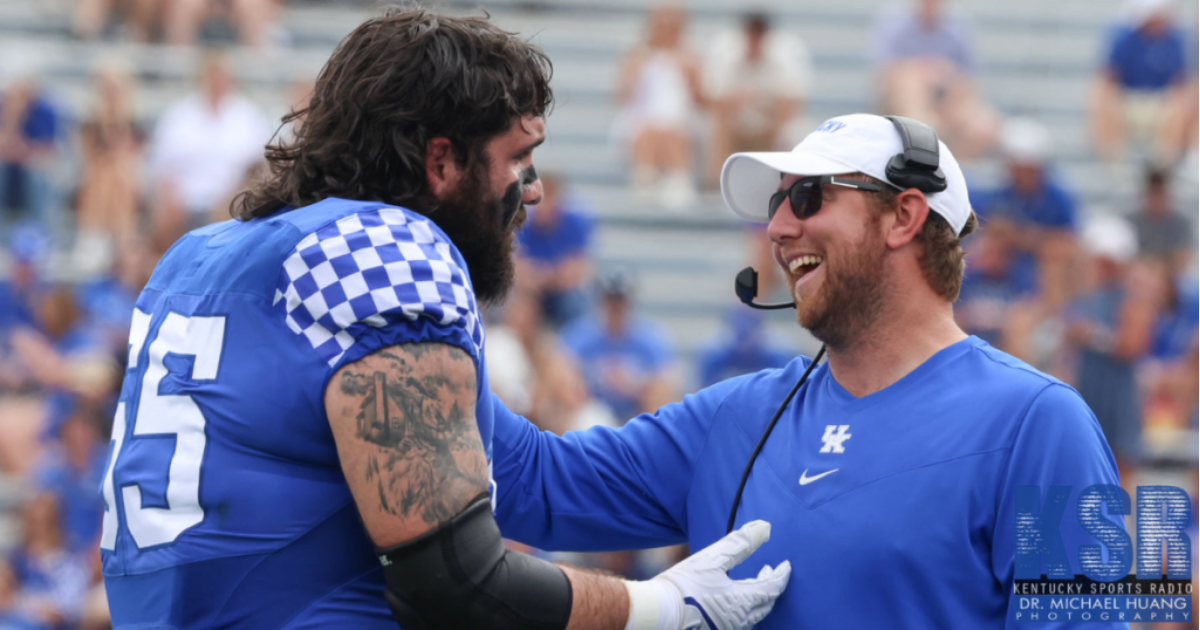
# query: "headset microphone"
(746, 287)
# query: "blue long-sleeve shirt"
(896, 509)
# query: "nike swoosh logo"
(805, 480)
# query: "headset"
(919, 166)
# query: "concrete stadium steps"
(576, 122)
(1081, 13)
(832, 42)
(1095, 182)
(836, 44)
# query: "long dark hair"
(393, 84)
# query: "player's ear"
(441, 167)
(908, 218)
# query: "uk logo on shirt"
(834, 438)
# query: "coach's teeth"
(804, 261)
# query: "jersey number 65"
(154, 412)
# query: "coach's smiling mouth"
(802, 269)
(802, 265)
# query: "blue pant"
(25, 193)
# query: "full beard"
(483, 227)
(851, 300)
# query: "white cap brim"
(749, 179)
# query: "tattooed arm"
(404, 422)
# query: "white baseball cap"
(1138, 12)
(1025, 140)
(1110, 237)
(856, 143)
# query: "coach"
(890, 476)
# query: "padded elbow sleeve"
(460, 577)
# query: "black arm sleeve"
(460, 577)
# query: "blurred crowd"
(749, 88)
(177, 22)
(91, 198)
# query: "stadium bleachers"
(1037, 59)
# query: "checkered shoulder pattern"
(372, 269)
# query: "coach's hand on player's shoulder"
(698, 592)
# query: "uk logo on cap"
(831, 126)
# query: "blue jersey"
(1144, 62)
(896, 509)
(1051, 207)
(567, 238)
(610, 361)
(226, 505)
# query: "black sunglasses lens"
(804, 195)
(774, 203)
(806, 199)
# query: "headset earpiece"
(919, 165)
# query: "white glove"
(697, 593)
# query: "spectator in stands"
(1141, 91)
(65, 353)
(30, 126)
(1166, 374)
(1111, 327)
(11, 615)
(253, 19)
(1176, 326)
(626, 360)
(1162, 233)
(742, 347)
(201, 150)
(54, 582)
(1036, 204)
(1181, 129)
(96, 615)
(107, 301)
(19, 294)
(299, 94)
(553, 257)
(658, 89)
(992, 284)
(925, 64)
(757, 80)
(511, 352)
(106, 204)
(92, 16)
(70, 471)
(20, 407)
(530, 373)
(19, 291)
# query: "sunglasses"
(805, 194)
